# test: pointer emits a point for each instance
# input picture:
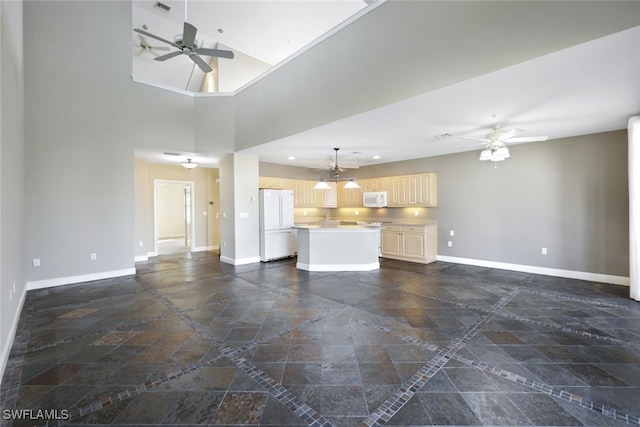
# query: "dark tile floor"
(191, 341)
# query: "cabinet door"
(331, 196)
(263, 182)
(382, 184)
(391, 243)
(349, 197)
(413, 245)
(414, 189)
(367, 184)
(402, 191)
(431, 246)
(429, 189)
(317, 196)
(392, 191)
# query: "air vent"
(162, 6)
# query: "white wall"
(12, 279)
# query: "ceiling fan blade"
(153, 36)
(509, 134)
(139, 52)
(215, 52)
(159, 48)
(201, 63)
(527, 139)
(475, 139)
(189, 34)
(168, 56)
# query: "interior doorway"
(174, 227)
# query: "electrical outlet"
(450, 243)
(94, 256)
(140, 243)
(544, 251)
(36, 262)
(452, 233)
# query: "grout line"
(390, 407)
(292, 402)
(540, 323)
(510, 376)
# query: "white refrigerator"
(277, 237)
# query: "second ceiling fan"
(187, 44)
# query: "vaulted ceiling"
(559, 69)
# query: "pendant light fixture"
(335, 176)
(189, 164)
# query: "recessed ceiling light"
(376, 157)
(291, 158)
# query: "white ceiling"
(588, 88)
(268, 30)
(593, 87)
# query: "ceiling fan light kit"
(334, 170)
(496, 143)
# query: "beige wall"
(206, 195)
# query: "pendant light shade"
(321, 185)
(351, 184)
(485, 155)
(189, 164)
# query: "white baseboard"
(205, 248)
(11, 336)
(338, 267)
(239, 261)
(59, 281)
(569, 274)
(141, 258)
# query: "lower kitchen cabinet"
(416, 243)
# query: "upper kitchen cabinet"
(271, 182)
(412, 190)
(304, 195)
(349, 197)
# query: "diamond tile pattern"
(192, 341)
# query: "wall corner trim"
(239, 261)
(569, 274)
(69, 280)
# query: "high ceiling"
(265, 31)
(582, 88)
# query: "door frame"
(192, 208)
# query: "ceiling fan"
(145, 47)
(187, 44)
(334, 171)
(496, 143)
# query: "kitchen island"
(338, 248)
